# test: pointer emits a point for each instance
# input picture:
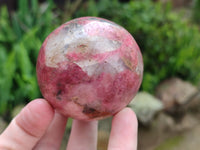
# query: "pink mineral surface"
(89, 68)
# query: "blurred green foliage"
(21, 37)
(169, 43)
(196, 11)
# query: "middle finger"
(53, 137)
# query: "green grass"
(170, 143)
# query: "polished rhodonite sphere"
(89, 68)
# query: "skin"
(39, 127)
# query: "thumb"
(28, 126)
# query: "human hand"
(39, 127)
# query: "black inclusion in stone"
(58, 95)
(88, 110)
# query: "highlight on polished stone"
(89, 68)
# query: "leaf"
(8, 73)
(23, 60)
(3, 56)
(23, 8)
(6, 33)
(34, 6)
(16, 27)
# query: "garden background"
(168, 34)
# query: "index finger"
(28, 126)
(123, 134)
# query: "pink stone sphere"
(89, 68)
